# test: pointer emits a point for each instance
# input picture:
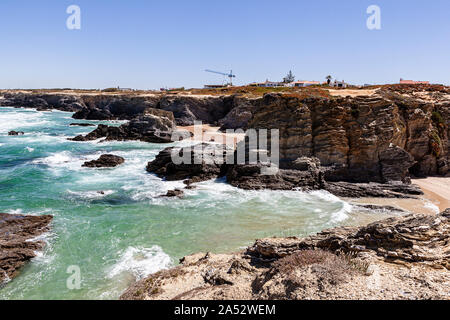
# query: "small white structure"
(339, 84)
(303, 83)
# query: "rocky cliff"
(398, 258)
(369, 138)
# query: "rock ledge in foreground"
(398, 258)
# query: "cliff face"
(357, 136)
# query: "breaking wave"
(141, 262)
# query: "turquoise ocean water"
(113, 225)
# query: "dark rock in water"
(82, 125)
(155, 126)
(175, 193)
(16, 249)
(16, 133)
(197, 163)
(373, 190)
(105, 161)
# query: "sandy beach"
(437, 190)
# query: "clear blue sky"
(151, 44)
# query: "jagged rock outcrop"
(398, 258)
(105, 161)
(154, 125)
(16, 244)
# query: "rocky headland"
(17, 241)
(398, 258)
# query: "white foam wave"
(432, 206)
(141, 262)
(65, 160)
(14, 119)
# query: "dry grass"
(325, 265)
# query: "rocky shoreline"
(398, 258)
(17, 246)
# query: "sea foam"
(141, 262)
